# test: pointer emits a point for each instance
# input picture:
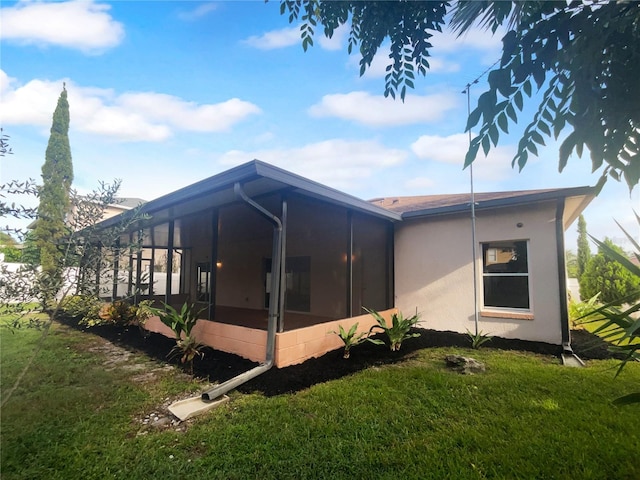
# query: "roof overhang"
(576, 200)
(258, 179)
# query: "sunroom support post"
(283, 263)
(98, 262)
(390, 267)
(167, 292)
(136, 290)
(213, 267)
(116, 267)
(349, 264)
(153, 261)
(130, 279)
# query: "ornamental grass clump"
(397, 332)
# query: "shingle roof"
(450, 203)
(257, 178)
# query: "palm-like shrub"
(397, 332)
(350, 338)
(182, 323)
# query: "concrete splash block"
(190, 407)
(571, 360)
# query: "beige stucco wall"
(434, 271)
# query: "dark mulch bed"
(219, 366)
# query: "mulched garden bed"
(218, 366)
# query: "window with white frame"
(505, 274)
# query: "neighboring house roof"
(431, 205)
(120, 203)
(257, 178)
(128, 202)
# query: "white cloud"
(335, 42)
(452, 150)
(378, 111)
(187, 115)
(338, 163)
(79, 24)
(420, 183)
(474, 39)
(290, 36)
(274, 39)
(198, 12)
(132, 116)
(449, 149)
(378, 67)
(5, 81)
(31, 104)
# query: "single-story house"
(275, 262)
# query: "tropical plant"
(478, 339)
(144, 311)
(182, 323)
(397, 332)
(118, 312)
(92, 317)
(580, 311)
(621, 324)
(350, 338)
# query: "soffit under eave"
(573, 207)
(255, 189)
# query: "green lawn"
(527, 417)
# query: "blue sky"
(163, 94)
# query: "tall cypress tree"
(57, 175)
(584, 252)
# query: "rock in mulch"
(464, 365)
